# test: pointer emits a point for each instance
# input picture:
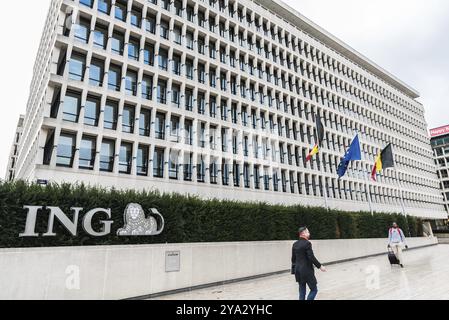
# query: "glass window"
(145, 122)
(107, 156)
(110, 115)
(142, 160)
(88, 3)
(131, 83)
(136, 18)
(162, 92)
(114, 79)
(133, 49)
(128, 119)
(82, 30)
(149, 54)
(77, 66)
(117, 43)
(120, 11)
(147, 87)
(160, 126)
(66, 150)
(72, 105)
(100, 37)
(125, 158)
(104, 6)
(158, 163)
(91, 111)
(87, 153)
(96, 73)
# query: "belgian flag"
(384, 160)
(319, 138)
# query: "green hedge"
(188, 219)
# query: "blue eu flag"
(353, 154)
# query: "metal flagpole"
(367, 192)
(402, 201)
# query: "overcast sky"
(409, 38)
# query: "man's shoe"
(402, 266)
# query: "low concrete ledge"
(121, 272)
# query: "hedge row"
(188, 219)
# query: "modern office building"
(440, 144)
(219, 99)
(12, 160)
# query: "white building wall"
(349, 92)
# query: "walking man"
(396, 240)
(303, 261)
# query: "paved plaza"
(425, 277)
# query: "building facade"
(219, 99)
(440, 145)
(12, 160)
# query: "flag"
(353, 154)
(313, 152)
(384, 160)
(319, 139)
(319, 131)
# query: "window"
(173, 166)
(87, 153)
(136, 18)
(110, 115)
(96, 73)
(117, 43)
(147, 87)
(163, 59)
(149, 54)
(190, 13)
(189, 99)
(77, 66)
(92, 111)
(72, 105)
(162, 92)
(160, 126)
(131, 83)
(88, 3)
(164, 30)
(158, 163)
(189, 69)
(66, 150)
(176, 95)
(125, 158)
(174, 129)
(178, 8)
(178, 34)
(151, 24)
(107, 156)
(128, 119)
(100, 37)
(188, 130)
(142, 160)
(104, 6)
(176, 64)
(189, 38)
(145, 122)
(82, 30)
(133, 49)
(225, 173)
(120, 11)
(114, 78)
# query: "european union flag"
(353, 154)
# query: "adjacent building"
(12, 160)
(219, 99)
(440, 145)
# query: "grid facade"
(219, 99)
(13, 154)
(440, 145)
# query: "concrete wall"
(118, 272)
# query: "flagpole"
(324, 164)
(367, 190)
(402, 200)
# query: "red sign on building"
(439, 131)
